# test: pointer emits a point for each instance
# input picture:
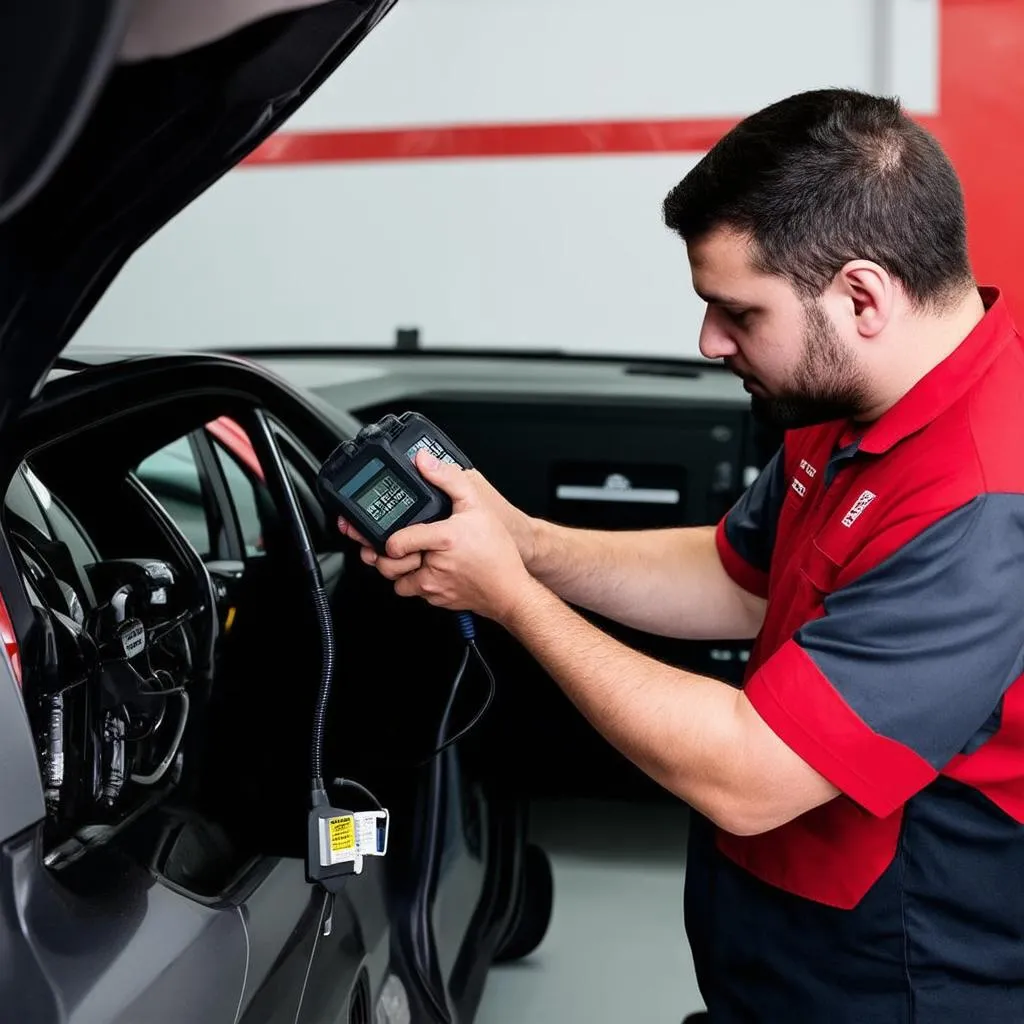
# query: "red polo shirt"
(890, 660)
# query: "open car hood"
(115, 114)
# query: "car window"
(174, 477)
(244, 497)
(171, 474)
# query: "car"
(166, 702)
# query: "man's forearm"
(697, 737)
(669, 582)
(679, 728)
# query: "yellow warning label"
(343, 834)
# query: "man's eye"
(738, 316)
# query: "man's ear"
(869, 292)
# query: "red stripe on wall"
(498, 140)
(981, 124)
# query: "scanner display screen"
(379, 493)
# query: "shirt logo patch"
(808, 468)
(865, 499)
(798, 487)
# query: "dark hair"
(828, 176)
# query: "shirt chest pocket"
(800, 591)
(822, 561)
(813, 572)
(819, 568)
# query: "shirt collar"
(950, 380)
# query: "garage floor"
(616, 949)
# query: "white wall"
(552, 252)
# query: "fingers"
(392, 568)
(407, 586)
(346, 529)
(421, 537)
(424, 584)
(450, 479)
(389, 568)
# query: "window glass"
(172, 475)
(244, 496)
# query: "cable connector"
(467, 627)
(332, 852)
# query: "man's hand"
(468, 562)
(516, 522)
(389, 568)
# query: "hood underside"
(118, 117)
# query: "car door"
(311, 959)
(455, 857)
(111, 946)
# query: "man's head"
(818, 229)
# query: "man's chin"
(786, 414)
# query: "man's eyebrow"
(721, 300)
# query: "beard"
(827, 385)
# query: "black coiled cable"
(323, 611)
(279, 481)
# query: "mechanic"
(858, 854)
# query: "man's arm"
(669, 582)
(695, 583)
(906, 668)
(697, 737)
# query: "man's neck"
(929, 339)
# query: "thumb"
(448, 477)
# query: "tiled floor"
(616, 951)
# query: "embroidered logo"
(808, 468)
(798, 487)
(865, 499)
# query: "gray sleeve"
(751, 523)
(923, 646)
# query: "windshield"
(490, 175)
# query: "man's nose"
(715, 343)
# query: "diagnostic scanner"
(372, 480)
